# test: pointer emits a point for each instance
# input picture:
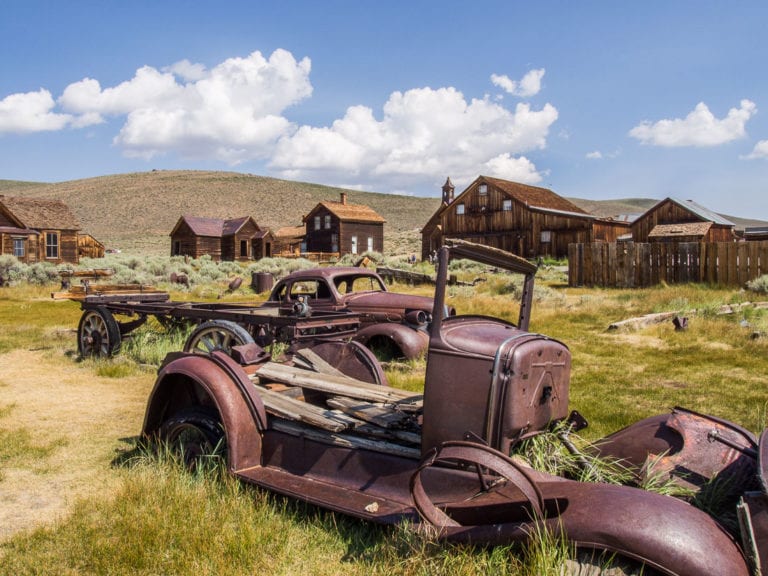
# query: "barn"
(526, 220)
(38, 230)
(235, 239)
(673, 220)
(343, 228)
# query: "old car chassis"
(442, 461)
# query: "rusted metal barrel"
(262, 281)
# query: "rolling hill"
(136, 212)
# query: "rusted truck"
(325, 428)
(393, 325)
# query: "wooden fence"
(637, 265)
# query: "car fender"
(411, 341)
(214, 380)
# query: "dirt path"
(80, 420)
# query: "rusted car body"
(391, 323)
(446, 465)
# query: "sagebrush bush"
(14, 272)
(759, 285)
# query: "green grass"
(164, 521)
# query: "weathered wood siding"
(637, 265)
(363, 231)
(669, 212)
(185, 243)
(338, 236)
(89, 247)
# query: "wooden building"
(289, 241)
(38, 230)
(89, 247)
(672, 220)
(343, 228)
(755, 233)
(237, 239)
(526, 220)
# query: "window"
(327, 221)
(459, 209)
(354, 244)
(317, 222)
(19, 247)
(334, 242)
(546, 236)
(370, 243)
(51, 245)
(506, 205)
(482, 190)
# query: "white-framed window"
(19, 247)
(354, 244)
(506, 205)
(546, 236)
(317, 222)
(370, 243)
(51, 244)
(482, 190)
(327, 221)
(459, 209)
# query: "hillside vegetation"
(136, 212)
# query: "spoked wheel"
(217, 335)
(194, 434)
(98, 334)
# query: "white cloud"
(31, 112)
(595, 155)
(422, 132)
(700, 128)
(530, 85)
(759, 151)
(236, 112)
(233, 112)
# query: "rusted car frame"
(448, 467)
(392, 324)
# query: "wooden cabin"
(289, 241)
(755, 233)
(671, 220)
(234, 239)
(526, 220)
(38, 230)
(343, 228)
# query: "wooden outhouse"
(38, 230)
(343, 228)
(237, 239)
(526, 220)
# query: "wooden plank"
(375, 414)
(345, 440)
(335, 385)
(317, 363)
(300, 411)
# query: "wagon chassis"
(219, 326)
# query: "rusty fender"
(411, 341)
(216, 381)
(664, 533)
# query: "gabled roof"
(212, 227)
(349, 212)
(40, 213)
(534, 196)
(687, 229)
(698, 210)
(290, 232)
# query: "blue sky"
(594, 100)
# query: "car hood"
(389, 300)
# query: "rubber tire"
(222, 334)
(98, 334)
(204, 435)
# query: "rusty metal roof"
(534, 196)
(350, 212)
(213, 227)
(41, 213)
(687, 229)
